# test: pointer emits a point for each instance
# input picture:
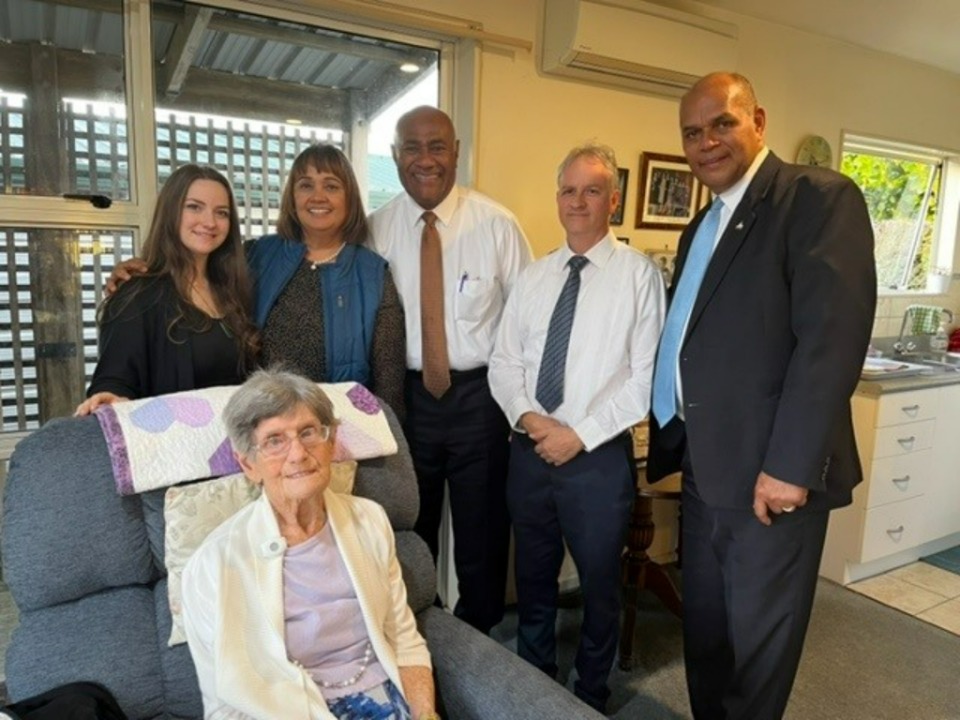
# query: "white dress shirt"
(484, 251)
(613, 341)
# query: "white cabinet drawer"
(899, 477)
(903, 439)
(888, 529)
(907, 407)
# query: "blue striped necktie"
(691, 276)
(553, 363)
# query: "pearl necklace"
(314, 264)
(364, 664)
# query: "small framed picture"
(666, 261)
(705, 197)
(668, 194)
(622, 175)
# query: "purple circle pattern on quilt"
(363, 400)
(158, 414)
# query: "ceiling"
(211, 60)
(921, 30)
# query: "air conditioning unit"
(634, 44)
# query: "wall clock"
(815, 151)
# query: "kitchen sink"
(944, 361)
(901, 365)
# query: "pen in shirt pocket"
(463, 279)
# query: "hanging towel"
(924, 319)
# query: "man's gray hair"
(267, 394)
(602, 153)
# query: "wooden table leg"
(639, 572)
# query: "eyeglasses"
(279, 445)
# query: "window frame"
(135, 214)
(459, 69)
(944, 240)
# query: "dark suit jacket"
(776, 341)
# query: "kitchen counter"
(933, 378)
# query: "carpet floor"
(949, 559)
(862, 661)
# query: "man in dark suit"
(770, 316)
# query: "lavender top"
(324, 627)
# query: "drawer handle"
(895, 533)
(910, 410)
(907, 443)
(901, 482)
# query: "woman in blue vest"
(327, 306)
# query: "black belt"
(457, 376)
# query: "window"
(235, 90)
(311, 84)
(903, 186)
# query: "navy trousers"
(585, 502)
(747, 594)
(462, 441)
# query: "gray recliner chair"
(85, 568)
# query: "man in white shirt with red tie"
(572, 370)
(457, 434)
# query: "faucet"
(899, 347)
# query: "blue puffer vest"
(351, 288)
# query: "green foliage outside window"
(902, 198)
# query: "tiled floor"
(921, 590)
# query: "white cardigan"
(233, 610)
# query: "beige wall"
(809, 84)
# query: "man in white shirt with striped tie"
(572, 369)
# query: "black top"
(142, 356)
(293, 334)
(215, 357)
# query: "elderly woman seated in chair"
(295, 607)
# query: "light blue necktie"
(553, 363)
(665, 379)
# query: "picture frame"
(622, 176)
(668, 194)
(666, 261)
(705, 197)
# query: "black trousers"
(462, 441)
(585, 502)
(747, 594)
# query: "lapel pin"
(739, 226)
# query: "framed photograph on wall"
(666, 261)
(706, 197)
(668, 194)
(622, 175)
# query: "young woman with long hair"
(186, 322)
